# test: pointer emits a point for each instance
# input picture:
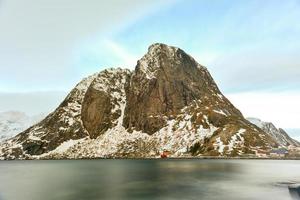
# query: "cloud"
(97, 54)
(124, 57)
(257, 69)
(294, 133)
(31, 103)
(38, 37)
(243, 51)
(280, 108)
(249, 52)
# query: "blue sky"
(250, 47)
(260, 38)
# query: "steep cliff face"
(168, 102)
(166, 80)
(105, 101)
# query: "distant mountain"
(168, 103)
(279, 134)
(14, 122)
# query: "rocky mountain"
(14, 122)
(279, 135)
(169, 102)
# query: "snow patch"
(234, 139)
(66, 145)
(220, 112)
(219, 145)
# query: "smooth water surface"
(147, 179)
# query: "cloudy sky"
(250, 47)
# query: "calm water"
(146, 179)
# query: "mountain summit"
(168, 103)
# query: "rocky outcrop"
(166, 80)
(104, 101)
(168, 102)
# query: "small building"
(165, 154)
(279, 153)
(261, 153)
(293, 148)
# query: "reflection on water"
(147, 179)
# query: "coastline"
(170, 158)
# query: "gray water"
(147, 179)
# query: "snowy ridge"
(86, 147)
(69, 113)
(68, 120)
(278, 134)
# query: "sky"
(251, 48)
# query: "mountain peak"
(170, 59)
(168, 102)
(160, 47)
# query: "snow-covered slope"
(277, 133)
(14, 122)
(169, 102)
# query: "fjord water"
(147, 179)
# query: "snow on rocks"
(219, 145)
(220, 112)
(67, 115)
(206, 133)
(66, 145)
(72, 110)
(177, 136)
(278, 135)
(235, 141)
(113, 143)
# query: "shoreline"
(170, 158)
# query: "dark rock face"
(96, 112)
(166, 80)
(101, 104)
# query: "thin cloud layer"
(247, 45)
(32, 103)
(281, 108)
(38, 38)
